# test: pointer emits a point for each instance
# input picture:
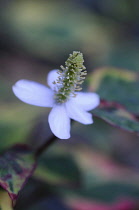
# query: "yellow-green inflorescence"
(70, 77)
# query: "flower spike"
(70, 77)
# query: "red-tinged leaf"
(117, 85)
(16, 166)
(119, 97)
(117, 116)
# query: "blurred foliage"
(50, 168)
(12, 130)
(99, 166)
(106, 36)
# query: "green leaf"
(16, 166)
(109, 192)
(102, 191)
(119, 97)
(117, 85)
(58, 168)
(118, 117)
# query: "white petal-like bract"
(59, 122)
(76, 112)
(34, 93)
(87, 101)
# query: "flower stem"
(43, 147)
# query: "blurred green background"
(98, 168)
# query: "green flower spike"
(70, 77)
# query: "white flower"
(66, 103)
(75, 108)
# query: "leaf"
(117, 117)
(119, 97)
(58, 168)
(16, 166)
(103, 191)
(103, 179)
(117, 85)
(110, 191)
